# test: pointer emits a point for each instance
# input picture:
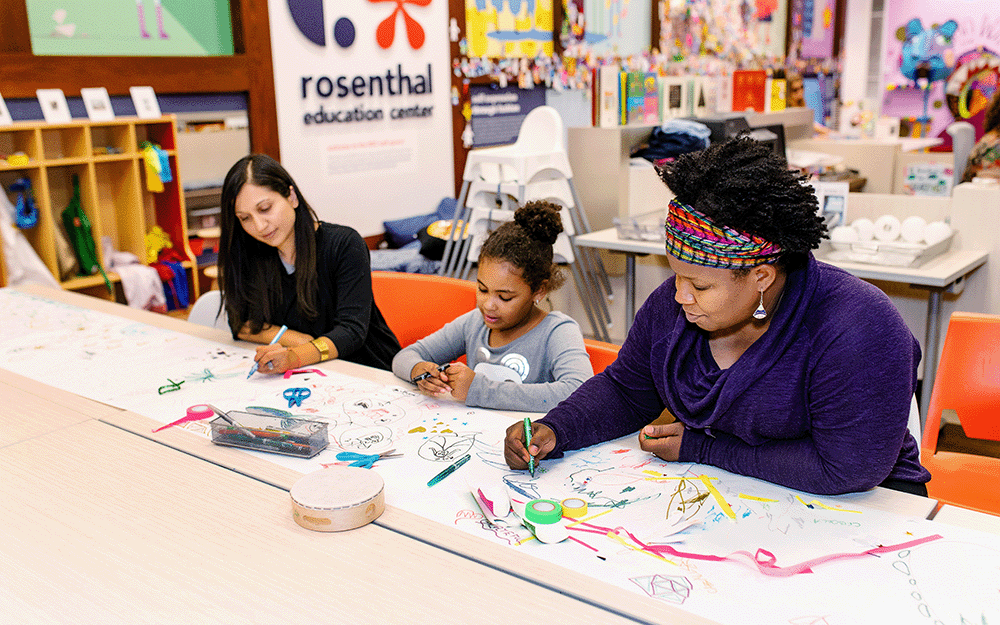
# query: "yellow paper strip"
(824, 506)
(718, 496)
(752, 498)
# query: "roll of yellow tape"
(574, 508)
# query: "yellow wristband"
(323, 348)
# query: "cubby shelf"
(112, 189)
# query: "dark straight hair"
(250, 271)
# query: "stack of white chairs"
(498, 180)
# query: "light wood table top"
(101, 526)
(32, 409)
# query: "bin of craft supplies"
(647, 227)
(889, 242)
(279, 435)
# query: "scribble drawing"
(523, 485)
(446, 447)
(606, 488)
(365, 438)
(672, 588)
(686, 501)
(504, 531)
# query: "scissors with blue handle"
(365, 461)
(296, 395)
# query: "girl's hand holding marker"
(431, 378)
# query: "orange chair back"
(415, 305)
(601, 354)
(967, 382)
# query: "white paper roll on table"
(337, 498)
(912, 229)
(865, 228)
(936, 231)
(844, 234)
(887, 228)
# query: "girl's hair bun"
(540, 220)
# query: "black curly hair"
(527, 242)
(742, 184)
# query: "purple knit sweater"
(819, 403)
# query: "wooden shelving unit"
(112, 189)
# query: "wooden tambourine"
(337, 498)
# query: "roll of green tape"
(574, 507)
(543, 511)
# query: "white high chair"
(535, 166)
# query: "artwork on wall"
(509, 28)
(145, 28)
(942, 63)
(812, 29)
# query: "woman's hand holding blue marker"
(262, 351)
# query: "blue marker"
(451, 469)
(277, 337)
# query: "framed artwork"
(54, 107)
(144, 99)
(98, 104)
(5, 119)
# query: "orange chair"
(601, 354)
(415, 305)
(968, 383)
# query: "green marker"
(527, 444)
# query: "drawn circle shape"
(200, 411)
(337, 498)
(574, 507)
(343, 32)
(543, 511)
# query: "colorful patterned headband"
(693, 238)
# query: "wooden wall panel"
(249, 71)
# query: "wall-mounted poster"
(509, 28)
(124, 28)
(497, 113)
(942, 62)
(812, 24)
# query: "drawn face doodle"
(377, 411)
(446, 448)
(366, 439)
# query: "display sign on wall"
(497, 113)
(142, 28)
(364, 119)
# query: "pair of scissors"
(296, 395)
(365, 461)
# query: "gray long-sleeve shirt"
(550, 359)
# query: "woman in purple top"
(772, 364)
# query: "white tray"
(892, 253)
(647, 227)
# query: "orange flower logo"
(386, 31)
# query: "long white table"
(103, 521)
(936, 276)
(421, 557)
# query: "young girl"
(279, 265)
(519, 357)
